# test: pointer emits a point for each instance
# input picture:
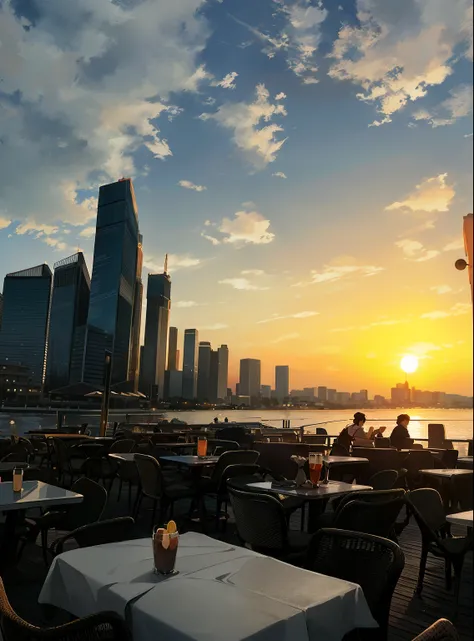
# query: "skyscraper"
(190, 363)
(282, 382)
(69, 309)
(214, 375)
(173, 351)
(322, 393)
(204, 371)
(1, 310)
(109, 324)
(156, 335)
(250, 377)
(223, 372)
(23, 339)
(134, 363)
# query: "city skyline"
(307, 174)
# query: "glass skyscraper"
(113, 286)
(23, 338)
(204, 372)
(158, 306)
(250, 377)
(190, 363)
(134, 364)
(69, 309)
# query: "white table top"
(330, 461)
(332, 489)
(35, 494)
(125, 456)
(253, 597)
(191, 461)
(445, 473)
(461, 518)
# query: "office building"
(250, 377)
(26, 302)
(331, 395)
(190, 363)
(282, 382)
(223, 372)
(68, 319)
(322, 394)
(113, 284)
(134, 364)
(343, 398)
(364, 395)
(213, 375)
(1, 310)
(204, 372)
(173, 352)
(400, 395)
(156, 335)
(266, 391)
(175, 383)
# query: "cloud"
(253, 132)
(253, 272)
(396, 51)
(279, 174)
(382, 322)
(298, 315)
(468, 135)
(414, 250)
(432, 194)
(4, 223)
(285, 337)
(56, 243)
(458, 105)
(88, 232)
(422, 350)
(247, 227)
(242, 284)
(175, 262)
(228, 81)
(280, 96)
(215, 327)
(82, 89)
(187, 184)
(185, 304)
(32, 227)
(335, 272)
(441, 289)
(454, 245)
(458, 309)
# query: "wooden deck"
(409, 615)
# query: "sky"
(306, 165)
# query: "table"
(461, 518)
(446, 474)
(465, 462)
(191, 461)
(34, 494)
(221, 592)
(122, 457)
(449, 476)
(331, 461)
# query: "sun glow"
(409, 364)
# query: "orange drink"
(202, 447)
(315, 467)
(165, 546)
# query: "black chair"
(219, 446)
(371, 518)
(210, 485)
(442, 630)
(153, 485)
(234, 433)
(427, 507)
(384, 480)
(339, 450)
(382, 441)
(64, 462)
(238, 476)
(261, 524)
(104, 626)
(327, 519)
(100, 533)
(414, 462)
(462, 493)
(436, 435)
(372, 562)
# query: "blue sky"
(305, 164)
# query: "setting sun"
(409, 364)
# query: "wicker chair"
(427, 507)
(368, 496)
(384, 480)
(238, 476)
(442, 630)
(370, 561)
(105, 626)
(109, 531)
(371, 518)
(210, 485)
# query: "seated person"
(400, 433)
(360, 438)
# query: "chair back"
(276, 457)
(369, 496)
(379, 458)
(233, 433)
(436, 435)
(371, 518)
(15, 457)
(102, 532)
(372, 562)
(442, 630)
(233, 457)
(92, 506)
(238, 476)
(449, 458)
(463, 492)
(260, 520)
(339, 450)
(382, 441)
(219, 446)
(417, 460)
(151, 475)
(122, 446)
(383, 480)
(427, 507)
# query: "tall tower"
(69, 309)
(204, 371)
(223, 371)
(134, 363)
(109, 324)
(26, 301)
(190, 363)
(282, 382)
(250, 377)
(156, 335)
(173, 352)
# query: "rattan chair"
(384, 480)
(371, 518)
(104, 626)
(442, 630)
(100, 533)
(371, 561)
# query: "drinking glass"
(17, 479)
(165, 547)
(202, 447)
(315, 467)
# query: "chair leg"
(447, 574)
(421, 575)
(119, 490)
(138, 502)
(129, 494)
(457, 565)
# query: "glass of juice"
(165, 547)
(17, 479)
(202, 447)
(315, 467)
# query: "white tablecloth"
(221, 592)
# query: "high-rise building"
(156, 335)
(23, 339)
(343, 398)
(175, 384)
(364, 395)
(250, 377)
(173, 352)
(204, 371)
(400, 395)
(213, 375)
(113, 284)
(282, 382)
(68, 319)
(322, 394)
(331, 395)
(266, 391)
(1, 310)
(190, 363)
(223, 372)
(309, 393)
(134, 363)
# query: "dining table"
(218, 591)
(461, 518)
